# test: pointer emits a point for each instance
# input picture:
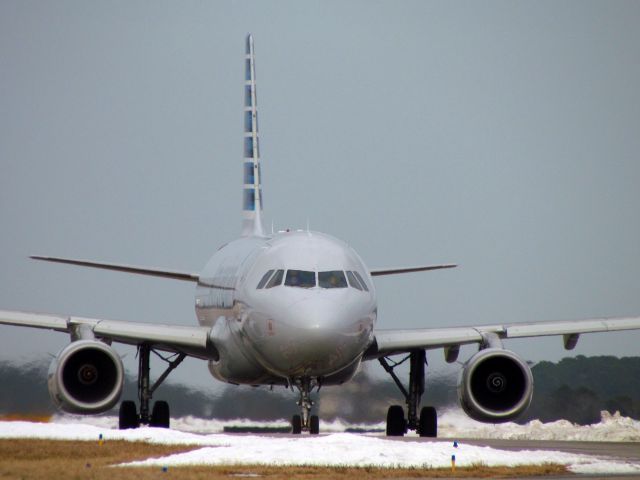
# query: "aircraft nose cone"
(315, 337)
(317, 314)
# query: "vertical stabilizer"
(252, 191)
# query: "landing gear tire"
(396, 423)
(314, 425)
(160, 415)
(128, 416)
(296, 425)
(425, 424)
(428, 422)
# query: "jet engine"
(495, 386)
(86, 377)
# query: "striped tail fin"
(252, 191)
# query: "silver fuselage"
(275, 335)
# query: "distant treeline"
(575, 389)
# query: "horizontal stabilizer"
(153, 272)
(424, 268)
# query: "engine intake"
(86, 377)
(495, 386)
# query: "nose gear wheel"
(305, 422)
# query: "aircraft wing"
(152, 272)
(376, 272)
(391, 342)
(192, 340)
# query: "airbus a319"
(296, 309)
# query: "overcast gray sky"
(499, 135)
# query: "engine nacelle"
(495, 386)
(86, 377)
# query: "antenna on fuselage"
(252, 191)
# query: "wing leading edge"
(376, 272)
(191, 340)
(153, 272)
(390, 342)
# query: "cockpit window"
(266, 277)
(276, 279)
(307, 279)
(300, 278)
(332, 279)
(353, 281)
(362, 282)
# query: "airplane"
(292, 308)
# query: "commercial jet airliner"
(296, 309)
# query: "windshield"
(332, 279)
(276, 279)
(300, 278)
(362, 282)
(353, 281)
(307, 279)
(266, 277)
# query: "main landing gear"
(426, 425)
(305, 422)
(159, 417)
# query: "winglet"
(252, 191)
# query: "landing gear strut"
(305, 421)
(426, 425)
(159, 416)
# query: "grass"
(35, 459)
(26, 459)
(26, 417)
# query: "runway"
(627, 452)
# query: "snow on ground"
(339, 449)
(611, 428)
(453, 423)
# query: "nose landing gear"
(305, 422)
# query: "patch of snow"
(346, 449)
(202, 425)
(452, 423)
(338, 449)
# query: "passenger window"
(353, 281)
(266, 277)
(249, 202)
(248, 121)
(333, 279)
(249, 175)
(248, 147)
(362, 282)
(276, 279)
(300, 278)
